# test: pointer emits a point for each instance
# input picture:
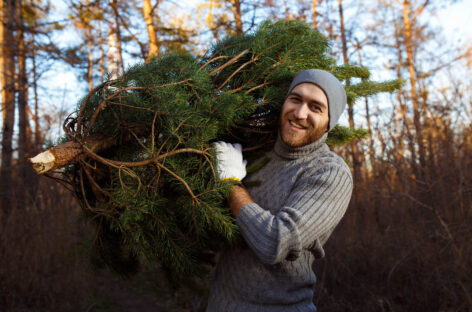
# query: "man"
(286, 220)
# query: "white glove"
(229, 161)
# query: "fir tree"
(152, 190)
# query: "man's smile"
(296, 125)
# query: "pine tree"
(145, 167)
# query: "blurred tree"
(115, 31)
(210, 20)
(148, 12)
(314, 12)
(233, 16)
(112, 55)
(24, 136)
(407, 36)
(8, 99)
(350, 108)
(217, 18)
(83, 15)
(238, 21)
(22, 24)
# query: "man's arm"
(314, 207)
(237, 199)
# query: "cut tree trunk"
(67, 153)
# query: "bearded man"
(287, 219)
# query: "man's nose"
(301, 112)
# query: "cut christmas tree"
(139, 152)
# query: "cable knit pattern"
(303, 195)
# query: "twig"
(212, 60)
(129, 164)
(189, 190)
(252, 60)
(84, 104)
(230, 62)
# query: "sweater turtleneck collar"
(285, 151)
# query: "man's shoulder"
(328, 161)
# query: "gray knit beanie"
(332, 88)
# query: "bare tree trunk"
(354, 151)
(102, 53)
(402, 105)
(8, 102)
(414, 96)
(90, 58)
(2, 62)
(211, 23)
(343, 33)
(236, 9)
(287, 11)
(367, 118)
(119, 52)
(371, 140)
(112, 69)
(37, 130)
(148, 17)
(313, 4)
(24, 136)
(23, 144)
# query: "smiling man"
(286, 220)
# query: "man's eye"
(315, 108)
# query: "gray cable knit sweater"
(303, 196)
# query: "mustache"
(300, 122)
(303, 124)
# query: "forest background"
(405, 242)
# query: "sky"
(63, 88)
(456, 20)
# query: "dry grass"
(404, 245)
(43, 254)
(406, 241)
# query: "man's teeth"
(296, 125)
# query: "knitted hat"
(332, 88)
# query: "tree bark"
(37, 130)
(313, 5)
(211, 22)
(414, 96)
(350, 108)
(90, 58)
(102, 53)
(8, 101)
(148, 17)
(367, 117)
(24, 135)
(402, 105)
(236, 9)
(111, 62)
(119, 52)
(23, 146)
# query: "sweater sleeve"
(314, 207)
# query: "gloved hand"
(229, 161)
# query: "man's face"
(304, 116)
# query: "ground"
(140, 294)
